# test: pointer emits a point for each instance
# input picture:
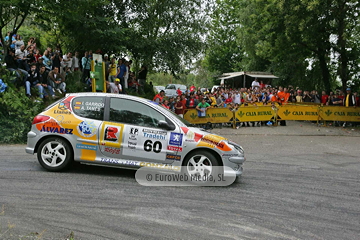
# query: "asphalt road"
(293, 187)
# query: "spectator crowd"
(257, 94)
(47, 71)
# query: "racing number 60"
(149, 146)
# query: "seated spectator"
(12, 66)
(57, 81)
(34, 81)
(44, 81)
(20, 55)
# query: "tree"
(224, 53)
(165, 34)
(299, 36)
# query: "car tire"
(200, 163)
(55, 154)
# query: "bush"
(16, 112)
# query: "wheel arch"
(52, 136)
(215, 153)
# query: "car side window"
(132, 112)
(89, 107)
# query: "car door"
(142, 138)
(88, 117)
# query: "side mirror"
(164, 125)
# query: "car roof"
(100, 94)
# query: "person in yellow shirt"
(113, 71)
(349, 101)
(213, 100)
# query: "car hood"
(205, 139)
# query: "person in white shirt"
(67, 62)
(255, 84)
(115, 87)
(75, 62)
(237, 97)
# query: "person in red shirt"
(179, 92)
(191, 102)
(159, 97)
(179, 107)
(324, 97)
(165, 104)
(229, 99)
(183, 100)
(262, 84)
(357, 99)
(192, 88)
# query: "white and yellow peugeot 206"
(127, 132)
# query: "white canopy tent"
(234, 75)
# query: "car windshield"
(170, 87)
(188, 124)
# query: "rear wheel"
(55, 154)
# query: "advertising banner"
(213, 115)
(334, 113)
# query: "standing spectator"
(315, 96)
(171, 104)
(115, 87)
(142, 77)
(34, 81)
(122, 71)
(159, 97)
(255, 84)
(299, 97)
(179, 107)
(13, 41)
(330, 99)
(47, 60)
(66, 63)
(107, 64)
(307, 97)
(324, 98)
(165, 104)
(237, 97)
(191, 102)
(57, 81)
(57, 59)
(127, 73)
(19, 42)
(357, 99)
(85, 62)
(192, 88)
(112, 70)
(75, 62)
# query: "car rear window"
(89, 107)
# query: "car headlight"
(237, 147)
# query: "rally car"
(125, 131)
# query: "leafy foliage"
(16, 112)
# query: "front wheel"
(55, 154)
(201, 164)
